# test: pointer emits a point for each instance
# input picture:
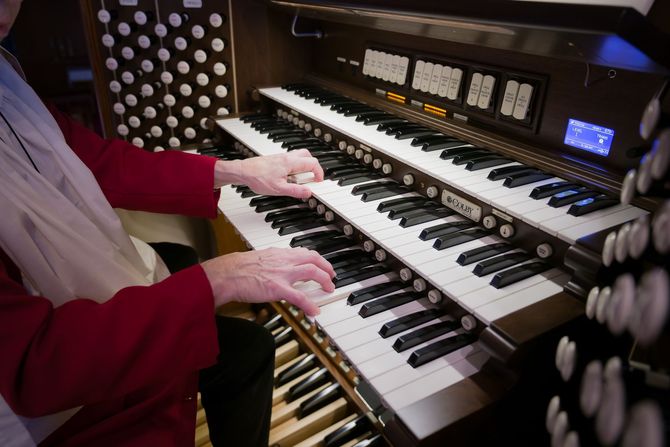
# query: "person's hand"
(269, 174)
(268, 275)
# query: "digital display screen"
(589, 137)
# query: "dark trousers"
(236, 392)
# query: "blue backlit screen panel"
(589, 137)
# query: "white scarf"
(57, 227)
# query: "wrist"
(227, 172)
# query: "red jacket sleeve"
(84, 352)
(131, 178)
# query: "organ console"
(495, 203)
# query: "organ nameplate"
(461, 205)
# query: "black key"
(287, 137)
(392, 204)
(592, 204)
(445, 228)
(264, 127)
(358, 190)
(351, 267)
(425, 216)
(269, 217)
(249, 193)
(372, 112)
(273, 323)
(357, 111)
(291, 140)
(349, 272)
(474, 155)
(288, 215)
(297, 220)
(284, 336)
(425, 139)
(544, 191)
(290, 229)
(335, 100)
(363, 274)
(439, 349)
(384, 126)
(453, 239)
(415, 319)
(349, 431)
(347, 254)
(327, 100)
(446, 144)
(286, 131)
(363, 117)
(486, 162)
(319, 400)
(368, 293)
(304, 144)
(336, 173)
(276, 204)
(388, 302)
(411, 209)
(254, 117)
(351, 263)
(506, 171)
(352, 179)
(343, 105)
(516, 274)
(378, 194)
(274, 127)
(449, 154)
(388, 118)
(317, 235)
(515, 180)
(571, 196)
(413, 133)
(297, 370)
(479, 253)
(311, 383)
(493, 265)
(395, 129)
(424, 334)
(331, 245)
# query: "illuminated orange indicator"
(435, 110)
(395, 97)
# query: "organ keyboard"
(485, 178)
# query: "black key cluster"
(472, 157)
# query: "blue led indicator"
(589, 137)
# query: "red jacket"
(131, 362)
